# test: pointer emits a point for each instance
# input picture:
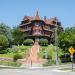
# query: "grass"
(23, 50)
(10, 63)
(65, 69)
(8, 55)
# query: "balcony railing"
(48, 29)
(47, 35)
(27, 29)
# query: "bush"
(43, 42)
(28, 42)
(18, 49)
(49, 63)
(17, 56)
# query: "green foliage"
(18, 36)
(19, 49)
(7, 55)
(3, 41)
(17, 56)
(10, 63)
(5, 30)
(43, 42)
(3, 51)
(49, 63)
(59, 30)
(28, 42)
(67, 39)
(16, 49)
(49, 52)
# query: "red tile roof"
(50, 21)
(37, 17)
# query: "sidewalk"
(37, 67)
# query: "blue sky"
(13, 11)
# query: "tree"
(18, 36)
(5, 30)
(67, 39)
(3, 41)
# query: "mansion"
(36, 28)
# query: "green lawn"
(8, 55)
(10, 63)
(65, 69)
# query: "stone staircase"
(33, 59)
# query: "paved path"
(33, 57)
(53, 70)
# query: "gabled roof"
(28, 17)
(37, 17)
(50, 21)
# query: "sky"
(13, 11)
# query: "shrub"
(43, 42)
(28, 42)
(49, 63)
(17, 56)
(18, 49)
(48, 51)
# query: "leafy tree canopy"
(5, 30)
(18, 36)
(3, 41)
(67, 38)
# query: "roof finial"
(37, 17)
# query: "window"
(53, 22)
(37, 23)
(37, 31)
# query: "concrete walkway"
(51, 70)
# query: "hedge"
(43, 42)
(28, 42)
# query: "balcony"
(35, 28)
(48, 29)
(36, 33)
(47, 35)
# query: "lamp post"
(56, 43)
(46, 54)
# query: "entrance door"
(36, 39)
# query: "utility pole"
(56, 43)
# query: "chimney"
(44, 18)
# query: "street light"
(56, 43)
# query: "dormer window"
(53, 22)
